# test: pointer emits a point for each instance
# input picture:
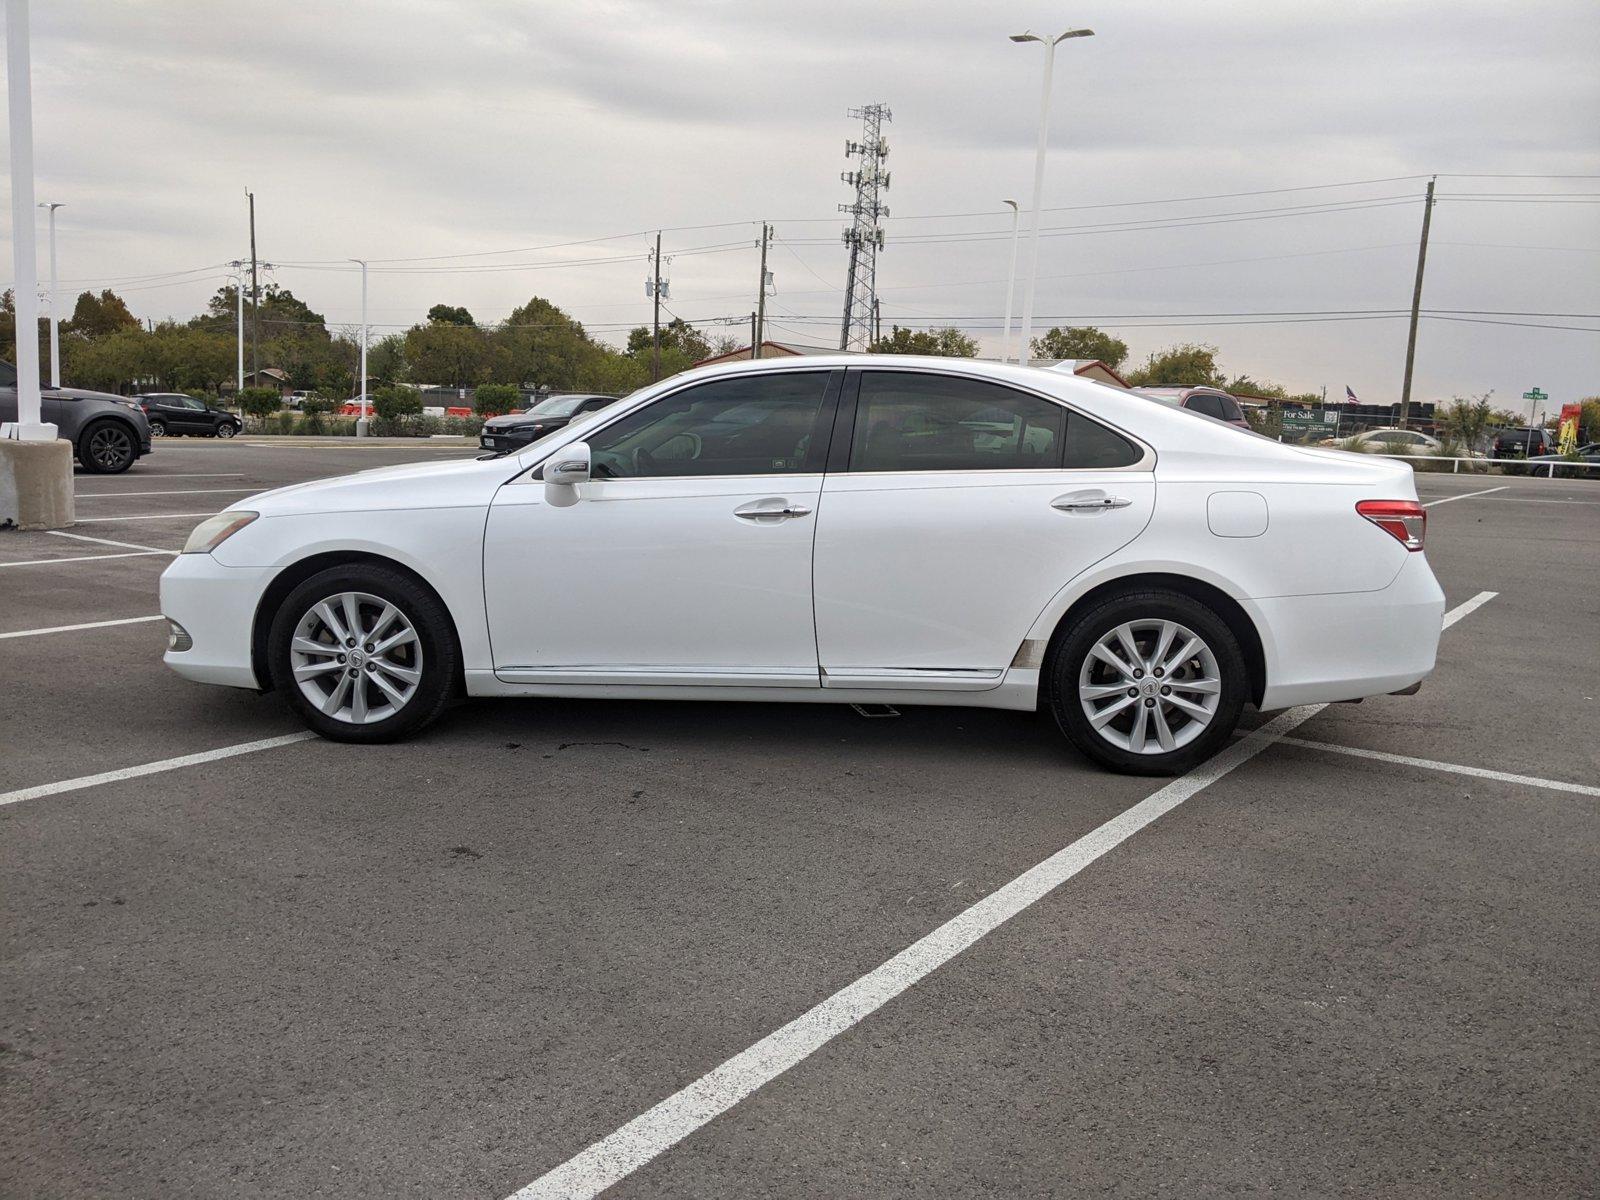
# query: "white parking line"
(22, 633)
(143, 517)
(1405, 760)
(84, 537)
(1467, 495)
(77, 558)
(154, 768)
(206, 475)
(616, 1156)
(188, 492)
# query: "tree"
(538, 344)
(455, 355)
(449, 314)
(724, 343)
(1187, 365)
(677, 334)
(259, 402)
(948, 342)
(392, 403)
(95, 316)
(492, 399)
(1589, 420)
(1081, 341)
(1465, 422)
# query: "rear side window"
(1091, 445)
(913, 421)
(1230, 409)
(1205, 404)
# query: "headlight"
(213, 531)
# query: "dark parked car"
(1207, 401)
(108, 432)
(515, 430)
(175, 413)
(1523, 442)
(1588, 453)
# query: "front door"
(964, 506)
(686, 558)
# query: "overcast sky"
(394, 130)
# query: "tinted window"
(910, 421)
(756, 425)
(8, 375)
(556, 406)
(1205, 404)
(1091, 445)
(1230, 409)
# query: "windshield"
(556, 406)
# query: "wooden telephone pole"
(759, 333)
(1416, 308)
(655, 325)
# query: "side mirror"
(569, 466)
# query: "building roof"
(1091, 368)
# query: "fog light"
(178, 638)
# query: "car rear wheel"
(364, 654)
(158, 429)
(1148, 682)
(107, 448)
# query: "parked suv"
(175, 413)
(108, 432)
(1207, 401)
(1523, 442)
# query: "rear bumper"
(216, 605)
(1350, 645)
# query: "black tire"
(107, 447)
(436, 640)
(158, 428)
(227, 429)
(1065, 669)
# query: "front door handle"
(1088, 502)
(773, 509)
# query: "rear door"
(953, 510)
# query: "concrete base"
(36, 484)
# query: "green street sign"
(1534, 394)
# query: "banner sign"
(1570, 415)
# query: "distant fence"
(1531, 467)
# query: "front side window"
(763, 424)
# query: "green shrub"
(394, 403)
(259, 402)
(315, 405)
(492, 399)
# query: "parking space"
(448, 967)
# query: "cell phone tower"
(865, 235)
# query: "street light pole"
(361, 421)
(1011, 279)
(238, 297)
(55, 300)
(25, 269)
(1025, 350)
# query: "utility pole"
(655, 324)
(1416, 306)
(758, 335)
(255, 294)
(754, 344)
(361, 422)
(238, 299)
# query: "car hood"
(513, 420)
(454, 484)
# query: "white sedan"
(851, 529)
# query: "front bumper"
(216, 606)
(1350, 645)
(502, 443)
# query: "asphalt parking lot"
(1357, 956)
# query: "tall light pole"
(55, 300)
(25, 270)
(1025, 351)
(1011, 279)
(238, 297)
(361, 421)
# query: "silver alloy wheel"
(226, 429)
(158, 429)
(1150, 686)
(110, 447)
(356, 657)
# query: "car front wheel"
(364, 654)
(107, 448)
(227, 429)
(1148, 682)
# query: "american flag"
(1349, 396)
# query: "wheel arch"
(297, 572)
(1229, 610)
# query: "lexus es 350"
(835, 530)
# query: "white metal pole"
(1025, 349)
(55, 302)
(238, 296)
(361, 423)
(25, 265)
(1011, 280)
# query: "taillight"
(1404, 520)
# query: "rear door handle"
(773, 509)
(1088, 502)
